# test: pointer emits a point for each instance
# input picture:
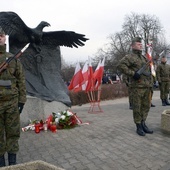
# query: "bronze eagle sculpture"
(20, 33)
(42, 60)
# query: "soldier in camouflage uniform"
(141, 85)
(163, 77)
(12, 99)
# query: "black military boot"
(152, 105)
(2, 161)
(145, 128)
(163, 102)
(166, 102)
(139, 129)
(12, 159)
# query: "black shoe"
(12, 159)
(130, 106)
(152, 105)
(139, 129)
(2, 161)
(145, 128)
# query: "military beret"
(2, 31)
(136, 39)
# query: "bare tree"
(145, 26)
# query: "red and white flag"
(85, 75)
(90, 84)
(77, 80)
(98, 74)
(149, 56)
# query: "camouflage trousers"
(9, 126)
(141, 103)
(130, 95)
(164, 90)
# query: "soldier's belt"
(5, 87)
(5, 83)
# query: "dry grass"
(108, 92)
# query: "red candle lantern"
(37, 128)
(53, 128)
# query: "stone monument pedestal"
(34, 165)
(165, 121)
(36, 108)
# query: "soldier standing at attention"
(163, 77)
(141, 85)
(12, 99)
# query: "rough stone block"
(36, 108)
(35, 165)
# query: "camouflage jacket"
(125, 79)
(163, 72)
(132, 63)
(14, 73)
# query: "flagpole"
(7, 43)
(95, 91)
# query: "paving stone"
(131, 167)
(78, 165)
(97, 161)
(156, 167)
(166, 167)
(135, 163)
(92, 166)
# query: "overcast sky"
(97, 19)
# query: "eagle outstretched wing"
(20, 33)
(14, 26)
(63, 38)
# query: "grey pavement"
(109, 142)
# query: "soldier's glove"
(136, 76)
(20, 107)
